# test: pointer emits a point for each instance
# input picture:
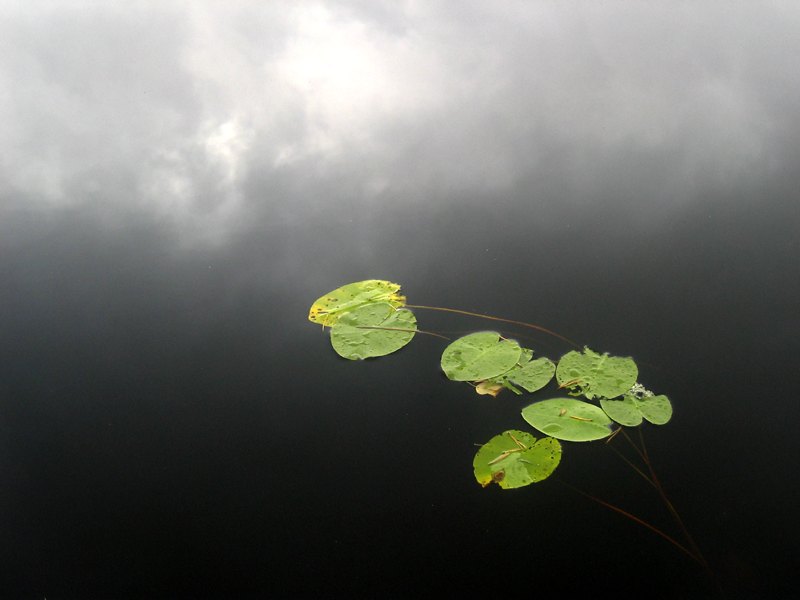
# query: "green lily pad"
(596, 375)
(656, 409)
(327, 309)
(638, 403)
(494, 385)
(534, 375)
(568, 419)
(479, 356)
(515, 459)
(530, 375)
(622, 410)
(371, 330)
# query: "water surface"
(180, 183)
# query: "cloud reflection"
(207, 115)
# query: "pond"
(179, 185)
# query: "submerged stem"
(673, 511)
(491, 318)
(653, 480)
(634, 446)
(636, 519)
(632, 466)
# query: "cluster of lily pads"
(369, 319)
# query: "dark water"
(171, 425)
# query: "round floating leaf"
(479, 356)
(656, 409)
(533, 375)
(624, 411)
(525, 355)
(328, 308)
(568, 419)
(515, 459)
(372, 330)
(495, 385)
(630, 409)
(596, 375)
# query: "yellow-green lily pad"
(515, 459)
(327, 309)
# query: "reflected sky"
(179, 181)
(212, 118)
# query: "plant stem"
(653, 480)
(632, 466)
(636, 520)
(491, 318)
(673, 511)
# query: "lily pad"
(656, 409)
(596, 375)
(479, 356)
(495, 385)
(534, 375)
(623, 410)
(515, 459)
(638, 403)
(568, 419)
(372, 330)
(329, 308)
(530, 375)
